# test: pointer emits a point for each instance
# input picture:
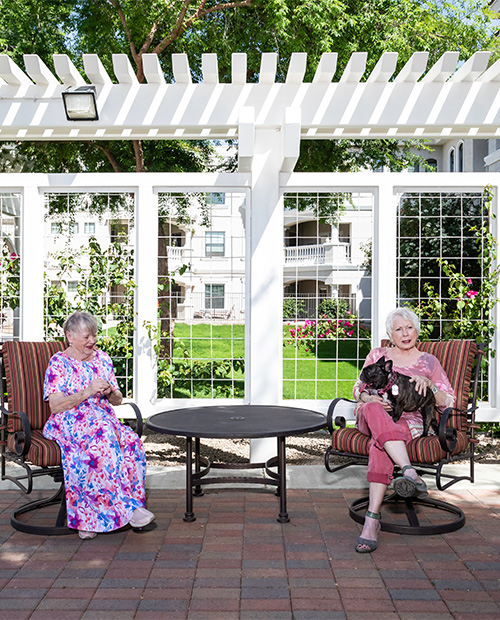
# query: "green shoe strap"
(373, 515)
(405, 467)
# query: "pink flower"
(469, 281)
(471, 294)
(350, 333)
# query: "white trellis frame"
(269, 120)
(264, 290)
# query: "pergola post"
(384, 261)
(264, 324)
(32, 264)
(146, 297)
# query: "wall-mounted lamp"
(80, 103)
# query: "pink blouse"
(426, 366)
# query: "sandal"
(361, 543)
(405, 486)
(84, 535)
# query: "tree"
(136, 27)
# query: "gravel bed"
(165, 450)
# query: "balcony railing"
(320, 254)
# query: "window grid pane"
(327, 293)
(448, 303)
(96, 277)
(201, 267)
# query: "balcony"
(321, 254)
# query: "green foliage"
(310, 334)
(187, 376)
(293, 308)
(100, 270)
(105, 27)
(9, 278)
(356, 155)
(465, 312)
(334, 309)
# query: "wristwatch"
(434, 390)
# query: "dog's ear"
(388, 366)
(381, 362)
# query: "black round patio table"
(236, 422)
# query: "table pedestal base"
(202, 467)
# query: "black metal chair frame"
(448, 440)
(31, 471)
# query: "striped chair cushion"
(421, 450)
(25, 365)
(457, 359)
(43, 452)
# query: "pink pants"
(373, 420)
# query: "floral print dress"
(104, 462)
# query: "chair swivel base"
(423, 513)
(28, 527)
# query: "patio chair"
(455, 441)
(23, 416)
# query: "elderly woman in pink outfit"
(389, 438)
(104, 462)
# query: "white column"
(384, 267)
(146, 294)
(32, 265)
(264, 324)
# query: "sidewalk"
(236, 561)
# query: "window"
(89, 228)
(72, 286)
(460, 159)
(216, 198)
(214, 296)
(74, 228)
(214, 243)
(56, 228)
(433, 164)
(452, 159)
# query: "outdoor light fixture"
(80, 103)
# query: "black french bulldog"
(402, 395)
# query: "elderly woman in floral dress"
(389, 438)
(103, 460)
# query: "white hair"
(406, 314)
(79, 320)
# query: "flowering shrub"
(9, 282)
(311, 332)
(466, 310)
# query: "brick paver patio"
(236, 561)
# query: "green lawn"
(332, 373)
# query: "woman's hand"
(421, 383)
(364, 397)
(99, 387)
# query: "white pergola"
(269, 120)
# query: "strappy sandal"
(361, 543)
(405, 486)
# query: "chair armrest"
(339, 420)
(22, 438)
(447, 435)
(139, 422)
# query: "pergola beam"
(413, 104)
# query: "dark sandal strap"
(373, 515)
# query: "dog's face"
(377, 375)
